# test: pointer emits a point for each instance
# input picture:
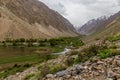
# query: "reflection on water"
(16, 51)
(21, 55)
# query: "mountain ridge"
(111, 28)
(32, 19)
(95, 25)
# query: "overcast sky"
(79, 12)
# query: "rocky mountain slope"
(105, 69)
(31, 19)
(98, 24)
(110, 28)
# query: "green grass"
(102, 51)
(57, 49)
(18, 68)
(113, 38)
(13, 70)
(33, 57)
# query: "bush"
(48, 57)
(104, 53)
(57, 67)
(113, 46)
(27, 65)
(14, 44)
(47, 69)
(113, 38)
(16, 65)
(73, 52)
(29, 76)
(115, 52)
(93, 50)
(69, 61)
(44, 70)
(85, 54)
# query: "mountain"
(98, 24)
(92, 25)
(110, 28)
(31, 19)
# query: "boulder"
(61, 73)
(74, 73)
(118, 62)
(108, 79)
(49, 76)
(79, 67)
(67, 76)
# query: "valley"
(39, 43)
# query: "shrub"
(73, 52)
(115, 52)
(44, 70)
(27, 65)
(14, 44)
(16, 65)
(47, 69)
(48, 57)
(57, 67)
(113, 38)
(69, 61)
(92, 50)
(104, 53)
(30, 44)
(29, 76)
(113, 46)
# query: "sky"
(78, 12)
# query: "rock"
(114, 63)
(76, 78)
(74, 56)
(73, 73)
(116, 70)
(85, 67)
(108, 79)
(108, 60)
(96, 73)
(79, 68)
(118, 78)
(117, 57)
(118, 62)
(95, 59)
(100, 62)
(113, 75)
(87, 63)
(49, 76)
(67, 76)
(61, 73)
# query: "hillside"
(98, 24)
(31, 19)
(111, 28)
(93, 25)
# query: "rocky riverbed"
(97, 69)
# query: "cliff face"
(31, 19)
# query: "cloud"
(79, 12)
